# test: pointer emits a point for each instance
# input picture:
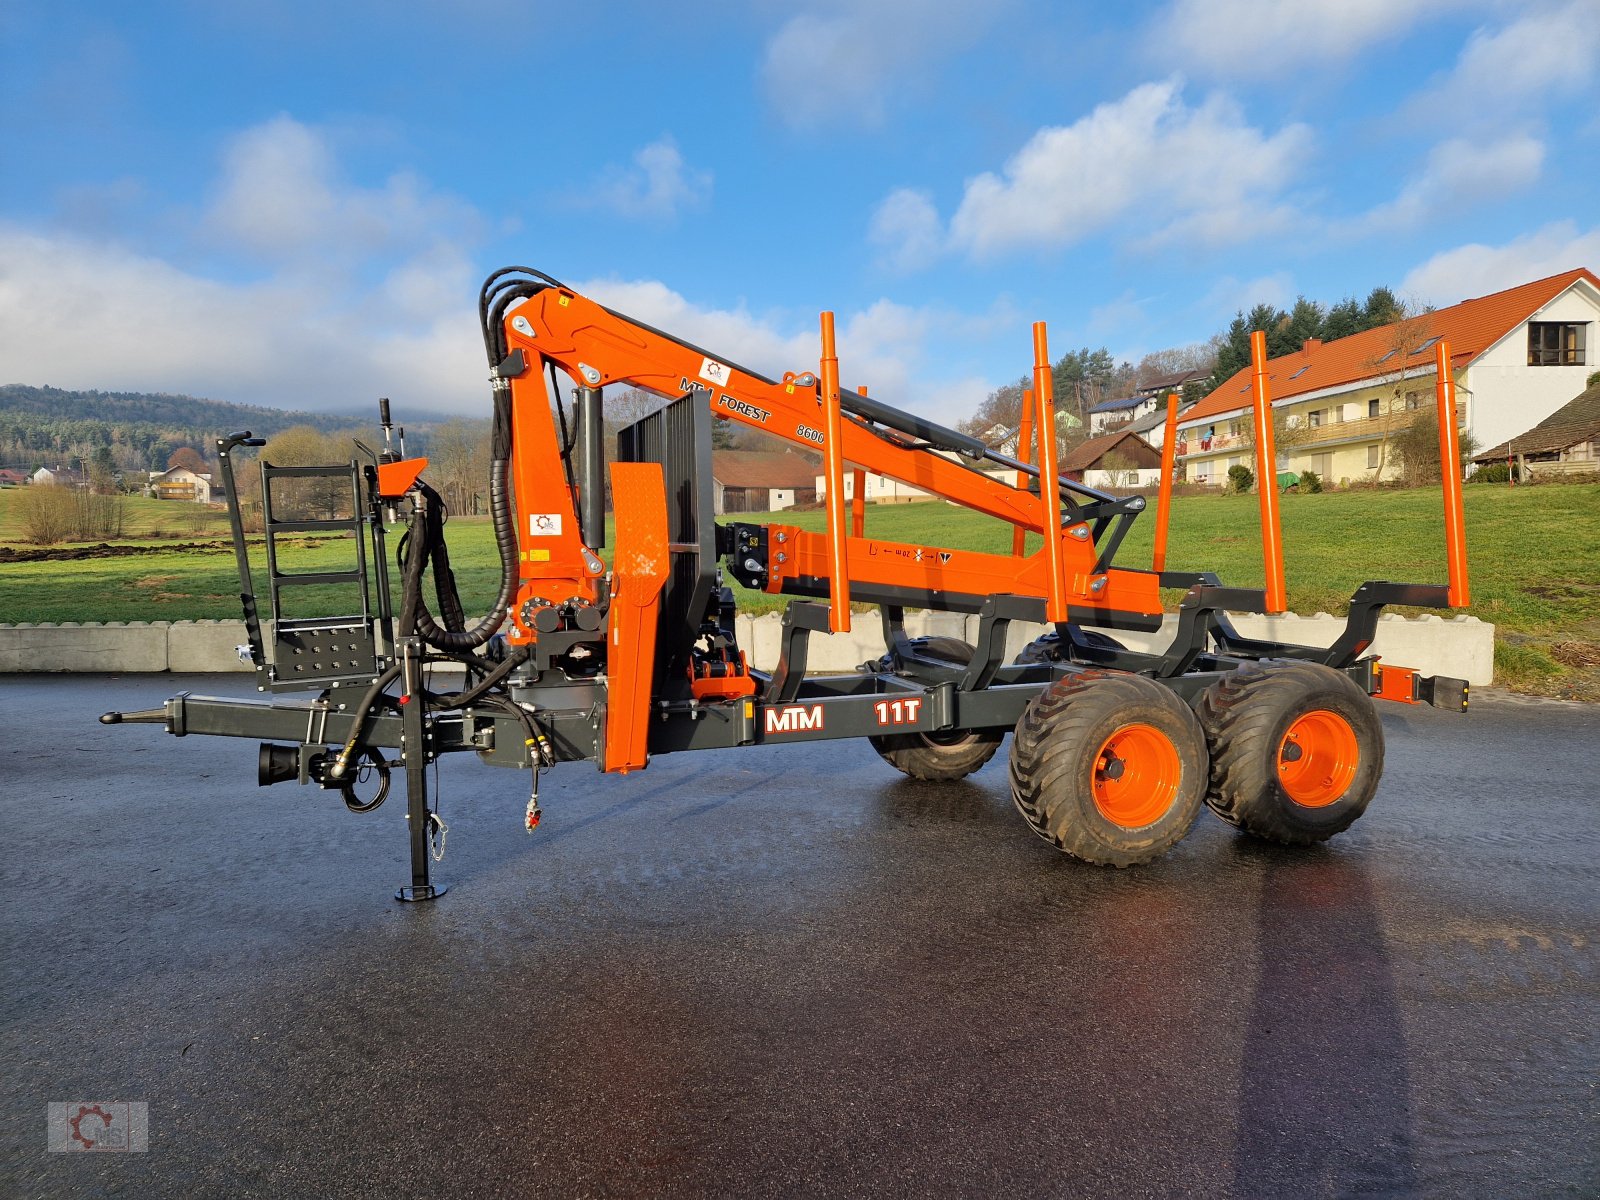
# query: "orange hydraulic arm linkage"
(597, 347)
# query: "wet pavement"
(790, 971)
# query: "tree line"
(139, 431)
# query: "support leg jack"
(419, 817)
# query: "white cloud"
(358, 291)
(1477, 269)
(1230, 295)
(1458, 173)
(659, 184)
(1548, 50)
(282, 342)
(839, 61)
(1117, 316)
(366, 291)
(283, 198)
(1202, 173)
(906, 230)
(1249, 219)
(1249, 39)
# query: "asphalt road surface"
(790, 971)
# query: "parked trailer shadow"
(1324, 1092)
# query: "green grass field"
(1534, 554)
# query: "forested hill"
(48, 426)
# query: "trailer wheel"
(1296, 750)
(1108, 767)
(1048, 647)
(946, 755)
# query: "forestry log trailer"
(1114, 750)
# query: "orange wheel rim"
(1136, 776)
(1318, 758)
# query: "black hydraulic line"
(424, 542)
(444, 578)
(493, 286)
(419, 552)
(341, 761)
(917, 427)
(561, 412)
(467, 695)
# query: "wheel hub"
(1136, 775)
(1318, 758)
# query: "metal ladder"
(318, 651)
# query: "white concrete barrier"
(1461, 646)
(113, 647)
(206, 646)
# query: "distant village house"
(1517, 356)
(747, 481)
(59, 477)
(1567, 442)
(180, 483)
(1114, 460)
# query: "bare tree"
(1121, 469)
(458, 455)
(1200, 356)
(1396, 362)
(298, 446)
(1289, 433)
(1415, 448)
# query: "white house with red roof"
(1517, 357)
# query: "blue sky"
(293, 203)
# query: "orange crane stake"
(1019, 536)
(1267, 477)
(858, 498)
(1055, 609)
(833, 464)
(1455, 522)
(1169, 451)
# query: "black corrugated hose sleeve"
(411, 580)
(505, 534)
(444, 579)
(424, 534)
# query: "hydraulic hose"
(505, 536)
(425, 543)
(466, 696)
(358, 724)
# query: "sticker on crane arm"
(714, 372)
(544, 524)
